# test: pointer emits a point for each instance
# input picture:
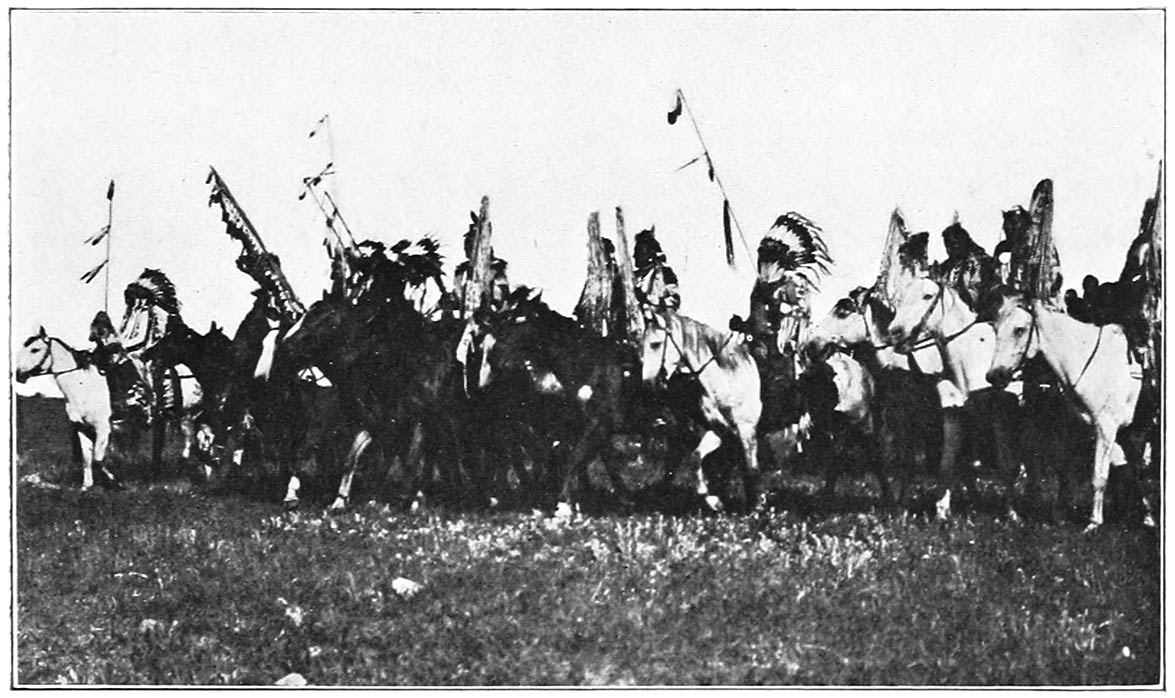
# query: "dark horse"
(394, 372)
(564, 385)
(269, 413)
(209, 357)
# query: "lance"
(727, 210)
(109, 233)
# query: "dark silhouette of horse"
(270, 415)
(395, 375)
(571, 386)
(209, 357)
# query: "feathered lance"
(634, 320)
(103, 234)
(680, 105)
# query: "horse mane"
(697, 336)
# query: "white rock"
(294, 679)
(406, 588)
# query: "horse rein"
(946, 339)
(681, 353)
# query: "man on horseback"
(968, 268)
(499, 284)
(656, 283)
(130, 393)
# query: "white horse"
(930, 312)
(729, 379)
(87, 397)
(1094, 367)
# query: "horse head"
(846, 326)
(915, 318)
(34, 358)
(1016, 339)
(660, 348)
(327, 327)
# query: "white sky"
(839, 116)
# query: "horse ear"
(41, 332)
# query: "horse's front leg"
(351, 464)
(709, 443)
(1001, 412)
(751, 465)
(1102, 452)
(952, 446)
(87, 448)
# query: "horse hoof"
(563, 511)
(1013, 517)
(713, 502)
(1148, 521)
(1091, 528)
(338, 506)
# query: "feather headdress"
(794, 244)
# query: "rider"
(129, 390)
(656, 283)
(968, 268)
(499, 283)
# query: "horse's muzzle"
(999, 377)
(22, 376)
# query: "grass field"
(165, 584)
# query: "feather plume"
(89, 276)
(727, 237)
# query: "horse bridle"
(690, 369)
(947, 339)
(49, 355)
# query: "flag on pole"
(676, 110)
(89, 276)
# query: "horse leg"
(358, 446)
(158, 436)
(574, 471)
(751, 466)
(87, 447)
(291, 501)
(952, 443)
(1103, 449)
(188, 430)
(708, 444)
(1003, 432)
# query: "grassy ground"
(164, 584)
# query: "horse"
(930, 311)
(908, 393)
(568, 384)
(394, 374)
(840, 394)
(729, 399)
(1094, 367)
(87, 397)
(209, 357)
(269, 410)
